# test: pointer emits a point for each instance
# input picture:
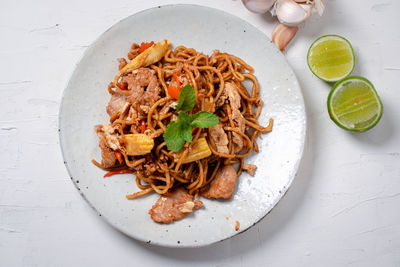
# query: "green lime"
(331, 58)
(354, 105)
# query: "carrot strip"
(144, 46)
(143, 127)
(173, 92)
(119, 156)
(178, 82)
(118, 172)
(122, 86)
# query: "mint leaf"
(186, 132)
(204, 119)
(186, 129)
(185, 118)
(187, 98)
(173, 137)
(177, 132)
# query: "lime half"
(331, 58)
(354, 105)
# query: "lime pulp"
(354, 104)
(331, 58)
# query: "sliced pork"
(233, 95)
(250, 168)
(108, 143)
(173, 206)
(223, 184)
(108, 157)
(220, 138)
(144, 88)
(116, 103)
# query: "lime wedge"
(331, 58)
(354, 105)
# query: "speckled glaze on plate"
(205, 29)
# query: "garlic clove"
(258, 6)
(290, 13)
(282, 35)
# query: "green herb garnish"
(187, 98)
(179, 132)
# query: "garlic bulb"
(291, 13)
(258, 6)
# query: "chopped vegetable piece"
(144, 46)
(119, 156)
(118, 172)
(122, 86)
(143, 127)
(138, 144)
(178, 82)
(200, 150)
(147, 57)
(173, 92)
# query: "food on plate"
(223, 184)
(182, 123)
(174, 205)
(237, 225)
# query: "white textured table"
(343, 208)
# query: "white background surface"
(342, 209)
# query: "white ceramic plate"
(204, 29)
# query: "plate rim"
(175, 245)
